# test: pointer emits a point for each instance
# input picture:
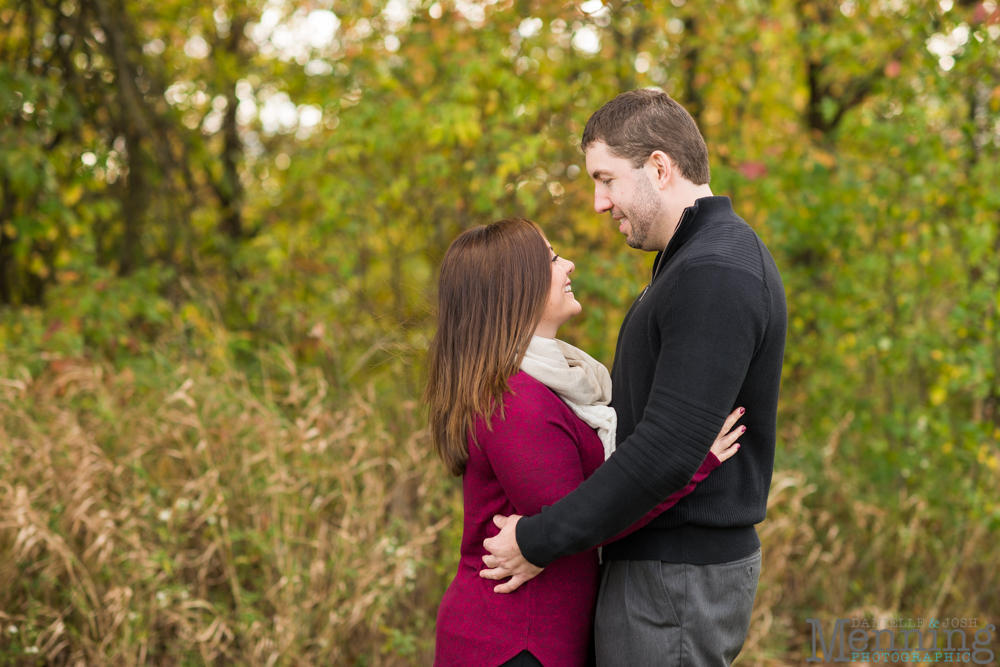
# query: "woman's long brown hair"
(493, 287)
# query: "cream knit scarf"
(581, 381)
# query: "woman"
(524, 419)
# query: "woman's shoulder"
(528, 394)
(533, 419)
(529, 403)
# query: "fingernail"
(743, 429)
(742, 410)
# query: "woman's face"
(561, 304)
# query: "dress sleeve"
(533, 451)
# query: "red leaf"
(753, 170)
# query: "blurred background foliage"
(219, 229)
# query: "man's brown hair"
(492, 290)
(638, 122)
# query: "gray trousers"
(651, 613)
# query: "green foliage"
(206, 184)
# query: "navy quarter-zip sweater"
(707, 335)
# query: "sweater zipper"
(657, 265)
(654, 276)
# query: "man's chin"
(634, 242)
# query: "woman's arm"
(533, 451)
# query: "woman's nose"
(570, 266)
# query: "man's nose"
(602, 203)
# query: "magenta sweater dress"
(534, 457)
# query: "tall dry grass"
(181, 517)
(201, 524)
(833, 547)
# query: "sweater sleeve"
(710, 463)
(708, 327)
(533, 451)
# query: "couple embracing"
(668, 478)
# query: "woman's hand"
(725, 445)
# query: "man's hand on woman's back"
(505, 559)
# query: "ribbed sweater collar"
(695, 217)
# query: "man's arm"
(710, 327)
(724, 447)
(710, 464)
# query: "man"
(706, 335)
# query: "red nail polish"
(742, 410)
(743, 429)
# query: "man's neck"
(684, 198)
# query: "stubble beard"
(642, 214)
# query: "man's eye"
(607, 182)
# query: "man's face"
(628, 194)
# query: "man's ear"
(662, 168)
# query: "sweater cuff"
(530, 535)
(710, 463)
